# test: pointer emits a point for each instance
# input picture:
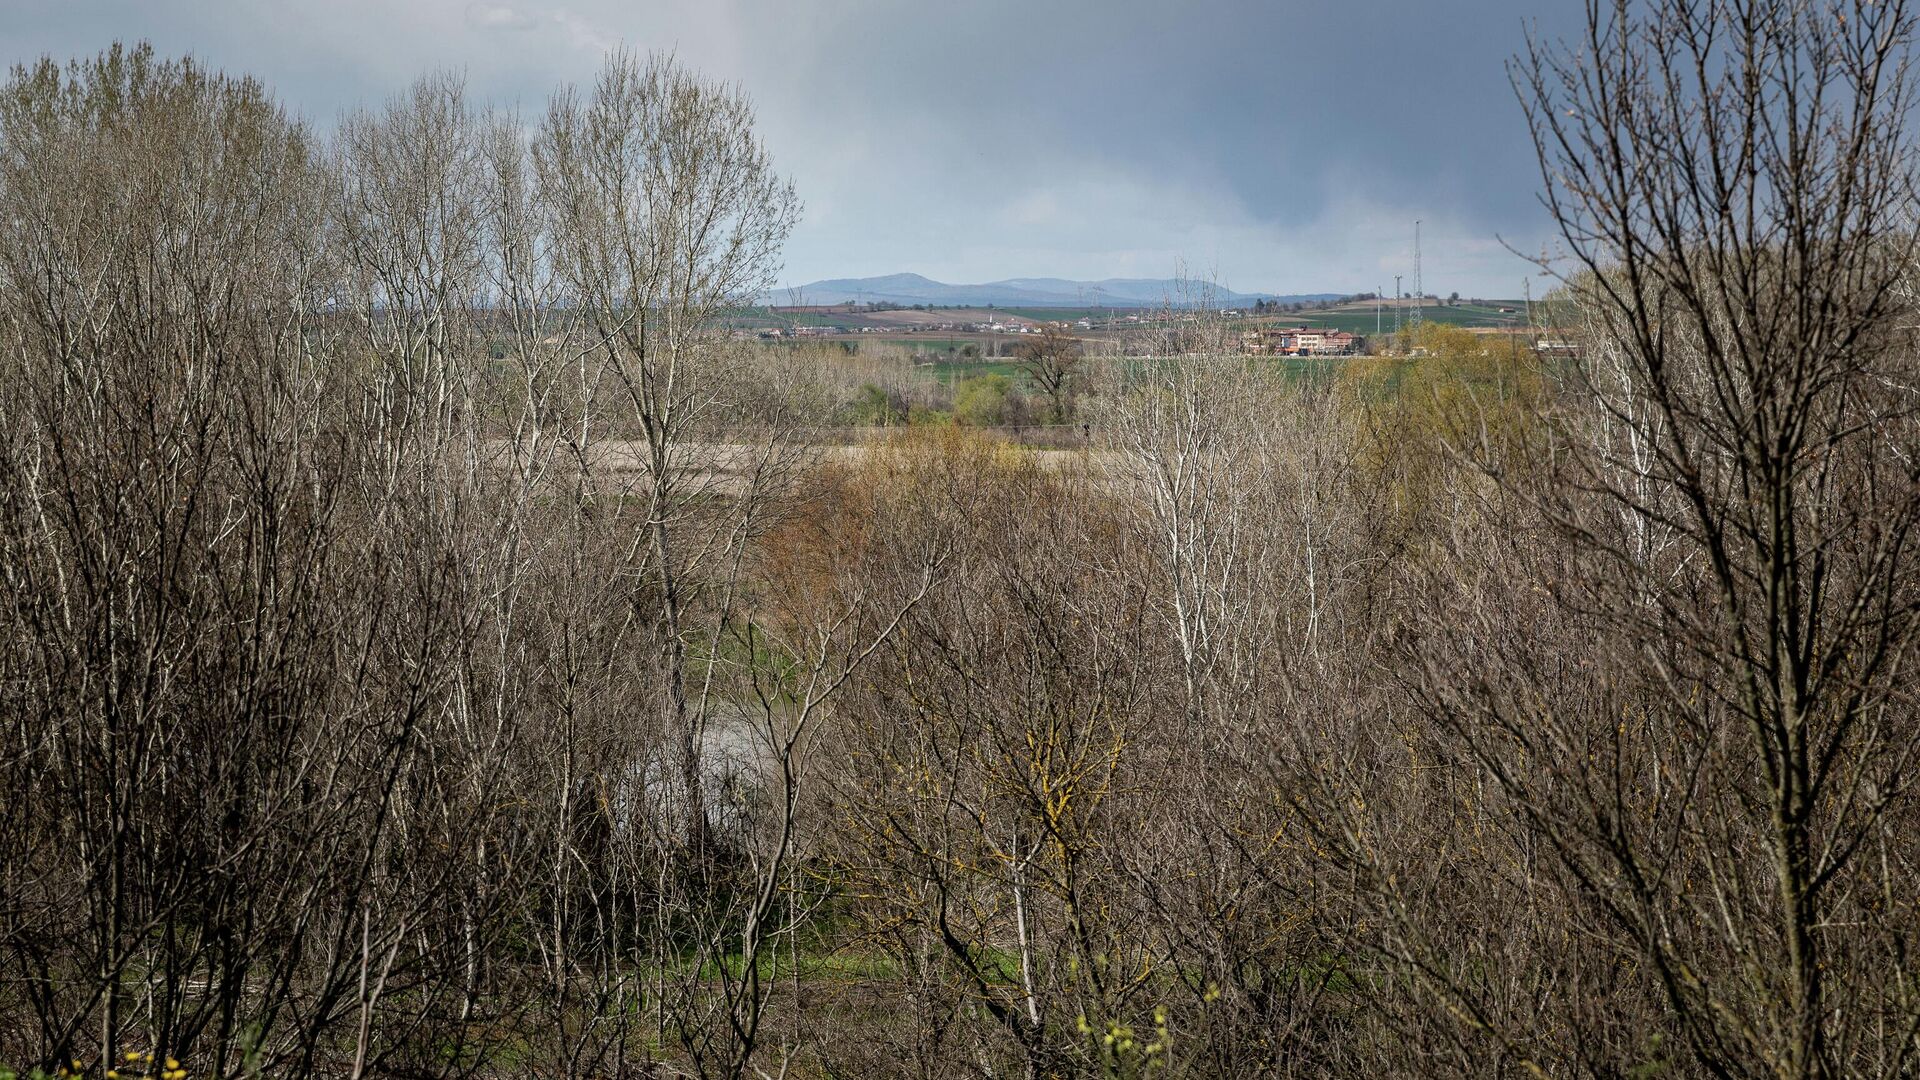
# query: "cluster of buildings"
(800, 331)
(995, 327)
(1300, 341)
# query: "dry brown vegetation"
(431, 651)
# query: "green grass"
(743, 651)
(1360, 321)
(1296, 367)
(951, 371)
(817, 318)
(936, 344)
(835, 965)
(929, 343)
(762, 319)
(1055, 314)
(1309, 368)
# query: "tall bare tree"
(668, 210)
(1722, 779)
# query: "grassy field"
(1308, 368)
(762, 319)
(1360, 319)
(1052, 314)
(936, 344)
(820, 318)
(951, 371)
(1294, 367)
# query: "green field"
(819, 318)
(1308, 368)
(1360, 320)
(763, 319)
(932, 344)
(1294, 367)
(1070, 314)
(951, 371)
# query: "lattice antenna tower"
(1399, 305)
(1418, 315)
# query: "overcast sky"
(1285, 145)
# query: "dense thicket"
(428, 647)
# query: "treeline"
(432, 651)
(1270, 307)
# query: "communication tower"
(1415, 317)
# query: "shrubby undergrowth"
(431, 648)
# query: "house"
(1299, 341)
(1266, 342)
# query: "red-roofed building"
(1299, 341)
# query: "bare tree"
(433, 645)
(667, 209)
(1722, 776)
(1051, 362)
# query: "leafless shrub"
(433, 647)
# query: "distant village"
(1263, 341)
(1260, 330)
(778, 332)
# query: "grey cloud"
(1289, 145)
(500, 17)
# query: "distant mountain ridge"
(908, 289)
